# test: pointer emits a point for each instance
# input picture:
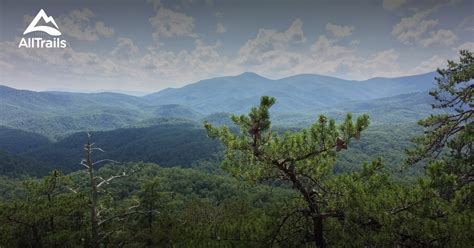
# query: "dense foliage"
(174, 142)
(151, 207)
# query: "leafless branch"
(107, 181)
(105, 160)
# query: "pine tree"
(447, 145)
(304, 159)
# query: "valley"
(47, 129)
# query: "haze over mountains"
(55, 113)
(46, 129)
(300, 93)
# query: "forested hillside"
(58, 114)
(185, 144)
(335, 163)
(49, 127)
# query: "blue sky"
(150, 45)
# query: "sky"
(145, 46)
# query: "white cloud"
(327, 48)
(326, 55)
(429, 65)
(220, 29)
(271, 52)
(82, 69)
(125, 49)
(380, 64)
(411, 29)
(442, 36)
(169, 23)
(329, 57)
(339, 31)
(354, 42)
(418, 29)
(465, 46)
(393, 4)
(269, 41)
(103, 30)
(205, 61)
(79, 24)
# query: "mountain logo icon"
(47, 29)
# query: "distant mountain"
(19, 141)
(57, 114)
(177, 143)
(14, 165)
(174, 111)
(294, 94)
(404, 108)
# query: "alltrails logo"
(38, 42)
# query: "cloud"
(382, 64)
(465, 46)
(79, 24)
(429, 65)
(339, 31)
(169, 23)
(269, 41)
(220, 29)
(329, 57)
(467, 24)
(272, 52)
(442, 37)
(326, 55)
(418, 29)
(327, 48)
(411, 29)
(86, 67)
(82, 15)
(205, 61)
(393, 4)
(125, 49)
(103, 30)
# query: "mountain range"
(40, 131)
(58, 114)
(300, 93)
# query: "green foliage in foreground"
(183, 207)
(361, 208)
(168, 206)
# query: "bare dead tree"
(95, 184)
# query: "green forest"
(348, 178)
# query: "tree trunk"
(94, 197)
(318, 232)
(37, 238)
(312, 206)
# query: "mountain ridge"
(238, 93)
(144, 94)
(61, 113)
